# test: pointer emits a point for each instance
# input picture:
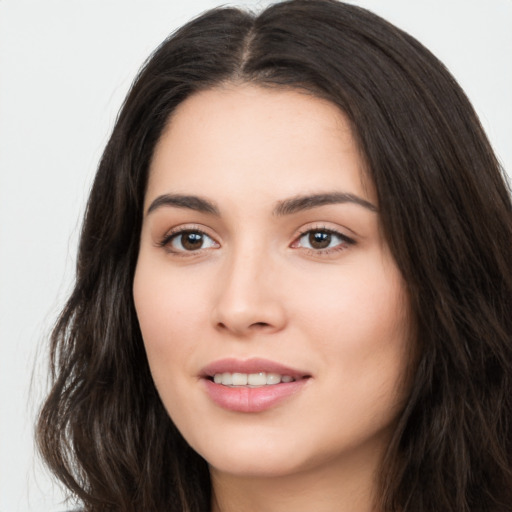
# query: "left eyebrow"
(300, 203)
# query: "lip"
(247, 399)
(252, 365)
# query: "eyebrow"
(285, 207)
(184, 201)
(306, 202)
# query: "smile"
(253, 385)
(251, 379)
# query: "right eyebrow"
(196, 203)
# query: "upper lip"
(253, 365)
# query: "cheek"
(359, 299)
(358, 321)
(168, 311)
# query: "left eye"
(319, 239)
(190, 241)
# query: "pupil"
(192, 241)
(319, 239)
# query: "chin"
(260, 468)
(247, 458)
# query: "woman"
(293, 285)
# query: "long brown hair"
(445, 210)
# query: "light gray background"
(65, 66)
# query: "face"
(273, 315)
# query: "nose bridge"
(247, 298)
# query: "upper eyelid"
(324, 226)
(334, 232)
(170, 234)
(181, 228)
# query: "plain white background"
(65, 66)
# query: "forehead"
(247, 139)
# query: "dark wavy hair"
(446, 213)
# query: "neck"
(337, 487)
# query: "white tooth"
(239, 379)
(257, 379)
(217, 378)
(286, 378)
(227, 379)
(273, 378)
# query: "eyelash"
(343, 245)
(179, 232)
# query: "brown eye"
(323, 239)
(189, 240)
(319, 239)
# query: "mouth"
(253, 380)
(252, 385)
(253, 372)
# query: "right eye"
(188, 240)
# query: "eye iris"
(192, 240)
(319, 239)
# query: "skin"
(257, 287)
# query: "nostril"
(259, 324)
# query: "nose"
(248, 298)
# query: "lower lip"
(246, 399)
